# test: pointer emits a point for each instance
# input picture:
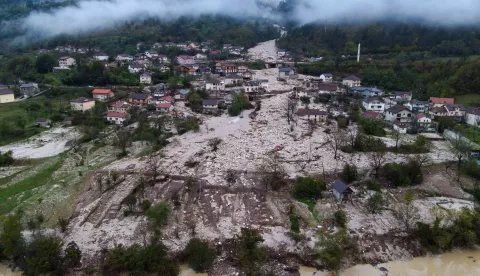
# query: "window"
(398, 115)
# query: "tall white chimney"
(358, 55)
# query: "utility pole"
(358, 55)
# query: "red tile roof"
(436, 100)
(117, 115)
(168, 99)
(164, 105)
(102, 91)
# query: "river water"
(456, 263)
(464, 263)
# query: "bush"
(295, 224)
(342, 122)
(199, 255)
(403, 174)
(349, 173)
(332, 254)
(6, 159)
(139, 260)
(62, 224)
(146, 205)
(159, 213)
(375, 203)
(372, 127)
(340, 218)
(307, 188)
(239, 103)
(472, 169)
(372, 185)
(305, 99)
(43, 255)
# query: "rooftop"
(352, 78)
(5, 91)
(102, 91)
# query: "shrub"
(249, 253)
(43, 255)
(349, 173)
(340, 218)
(307, 188)
(403, 174)
(6, 158)
(146, 205)
(239, 103)
(375, 203)
(472, 169)
(62, 224)
(199, 255)
(342, 122)
(372, 185)
(372, 127)
(305, 99)
(159, 213)
(295, 224)
(332, 254)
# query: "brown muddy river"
(463, 263)
(456, 263)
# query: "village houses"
(436, 102)
(66, 62)
(210, 106)
(286, 72)
(29, 89)
(117, 118)
(135, 68)
(124, 58)
(164, 107)
(225, 68)
(312, 114)
(6, 96)
(215, 85)
(352, 81)
(139, 98)
(100, 57)
(367, 91)
(326, 77)
(423, 120)
(119, 107)
(102, 95)
(418, 106)
(251, 87)
(402, 95)
(184, 60)
(146, 77)
(82, 104)
(399, 113)
(374, 104)
(233, 80)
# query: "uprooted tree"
(272, 171)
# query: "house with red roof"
(164, 107)
(167, 99)
(103, 95)
(436, 102)
(117, 118)
(422, 119)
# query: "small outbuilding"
(341, 191)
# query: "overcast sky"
(93, 15)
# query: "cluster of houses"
(26, 89)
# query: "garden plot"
(45, 144)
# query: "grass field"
(468, 100)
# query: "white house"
(66, 61)
(472, 116)
(400, 127)
(210, 106)
(326, 77)
(233, 79)
(399, 113)
(124, 57)
(374, 104)
(418, 106)
(403, 95)
(215, 85)
(455, 110)
(200, 56)
(352, 81)
(164, 107)
(162, 58)
(146, 78)
(184, 60)
(100, 57)
(135, 68)
(422, 119)
(117, 118)
(251, 86)
(151, 54)
(263, 84)
(285, 72)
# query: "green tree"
(375, 203)
(249, 253)
(45, 63)
(307, 188)
(199, 255)
(43, 255)
(159, 213)
(11, 237)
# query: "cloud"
(90, 15)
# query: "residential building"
(399, 113)
(101, 57)
(200, 57)
(328, 88)
(44, 122)
(146, 77)
(242, 69)
(119, 107)
(326, 77)
(281, 52)
(162, 58)
(233, 79)
(29, 89)
(157, 45)
(472, 116)
(3, 86)
(316, 114)
(102, 95)
(167, 99)
(225, 68)
(352, 81)
(340, 191)
(402, 95)
(371, 115)
(184, 60)
(124, 58)
(82, 104)
(151, 54)
(135, 68)
(455, 110)
(139, 98)
(163, 68)
(374, 104)
(366, 91)
(441, 101)
(210, 106)
(439, 111)
(6, 96)
(251, 86)
(422, 119)
(215, 85)
(263, 84)
(400, 127)
(117, 118)
(286, 72)
(418, 106)
(66, 61)
(182, 94)
(164, 107)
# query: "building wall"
(83, 106)
(8, 98)
(472, 119)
